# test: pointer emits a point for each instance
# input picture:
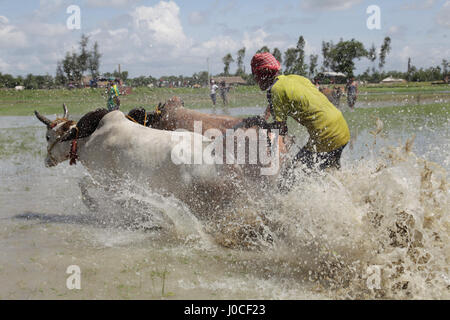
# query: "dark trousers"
(319, 160)
(312, 162)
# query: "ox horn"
(66, 112)
(43, 119)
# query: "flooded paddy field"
(379, 228)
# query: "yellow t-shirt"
(297, 97)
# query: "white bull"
(119, 148)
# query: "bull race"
(224, 150)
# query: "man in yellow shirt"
(295, 96)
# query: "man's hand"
(260, 122)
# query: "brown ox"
(174, 116)
(333, 95)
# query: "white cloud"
(216, 47)
(50, 7)
(160, 24)
(443, 17)
(419, 5)
(255, 40)
(421, 56)
(406, 52)
(118, 32)
(3, 20)
(37, 28)
(110, 3)
(4, 67)
(329, 4)
(198, 17)
(10, 36)
(397, 32)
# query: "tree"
(299, 65)
(60, 79)
(227, 60)
(290, 57)
(77, 71)
(83, 57)
(68, 66)
(372, 54)
(385, 49)
(94, 61)
(326, 48)
(411, 70)
(445, 66)
(8, 81)
(277, 54)
(313, 64)
(123, 75)
(240, 62)
(200, 78)
(75, 64)
(30, 82)
(343, 54)
(263, 49)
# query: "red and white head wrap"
(265, 63)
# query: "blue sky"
(176, 37)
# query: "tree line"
(338, 57)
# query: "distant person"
(317, 83)
(352, 92)
(224, 91)
(213, 88)
(113, 96)
(296, 97)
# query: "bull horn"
(43, 119)
(66, 112)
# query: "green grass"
(420, 91)
(434, 115)
(80, 101)
(403, 87)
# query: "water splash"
(391, 214)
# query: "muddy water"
(379, 228)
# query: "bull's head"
(58, 136)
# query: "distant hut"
(392, 80)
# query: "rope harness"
(73, 156)
(130, 118)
